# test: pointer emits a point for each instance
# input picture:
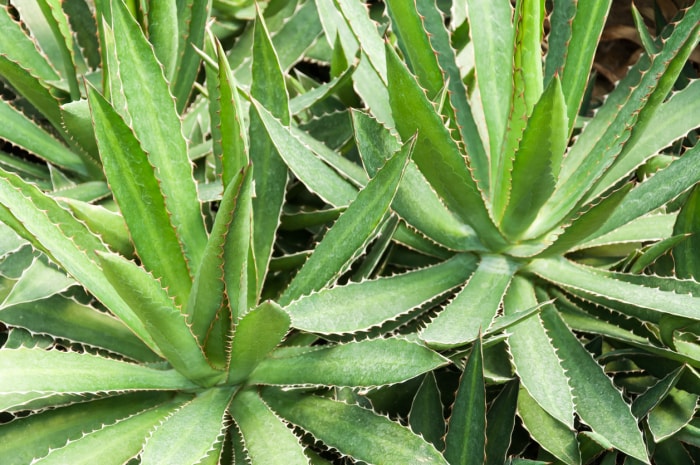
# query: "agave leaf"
(651, 398)
(201, 421)
(598, 402)
(367, 363)
(269, 170)
(584, 279)
(500, 421)
(351, 233)
(138, 192)
(472, 311)
(113, 444)
(255, 335)
(650, 254)
(83, 25)
(672, 414)
(156, 124)
(380, 440)
(526, 91)
(192, 16)
(66, 241)
(359, 306)
(34, 436)
(230, 142)
(306, 100)
(671, 121)
(460, 112)
(533, 354)
(649, 228)
(23, 132)
(266, 438)
(365, 32)
(554, 436)
(437, 155)
(536, 166)
(58, 22)
(161, 316)
(68, 319)
(587, 223)
(465, 442)
(231, 230)
(425, 417)
(70, 372)
(312, 171)
(375, 144)
(688, 222)
(17, 46)
(492, 33)
(163, 34)
(573, 40)
(366, 77)
(105, 223)
(38, 281)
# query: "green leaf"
(598, 402)
(66, 241)
(380, 440)
(83, 25)
(672, 414)
(651, 398)
(465, 443)
(137, 190)
(104, 223)
(536, 166)
(67, 319)
(436, 154)
(43, 371)
(500, 421)
(255, 335)
(535, 357)
(526, 91)
(23, 132)
(201, 421)
(58, 22)
(351, 233)
(265, 437)
(375, 144)
(316, 175)
(472, 311)
(222, 274)
(554, 436)
(492, 33)
(269, 170)
(367, 363)
(331, 88)
(426, 415)
(161, 317)
(156, 124)
(572, 56)
(35, 435)
(39, 280)
(193, 16)
(111, 445)
(688, 222)
(163, 34)
(360, 306)
(586, 280)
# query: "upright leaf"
(465, 442)
(137, 190)
(157, 126)
(688, 222)
(192, 16)
(269, 170)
